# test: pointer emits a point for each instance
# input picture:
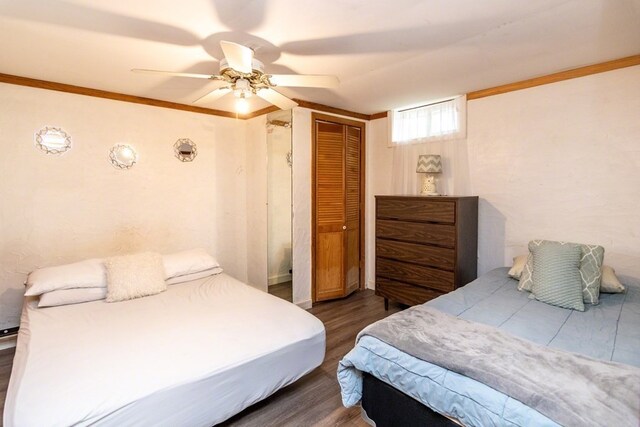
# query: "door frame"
(362, 126)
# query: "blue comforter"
(608, 331)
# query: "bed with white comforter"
(194, 355)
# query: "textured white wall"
(379, 165)
(560, 162)
(256, 196)
(61, 209)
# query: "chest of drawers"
(425, 246)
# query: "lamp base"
(429, 185)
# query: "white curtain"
(454, 179)
(440, 121)
(452, 147)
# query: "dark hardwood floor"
(6, 360)
(282, 290)
(313, 400)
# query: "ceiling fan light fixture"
(242, 105)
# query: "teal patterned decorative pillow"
(526, 281)
(591, 257)
(556, 275)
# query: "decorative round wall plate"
(123, 156)
(53, 140)
(185, 150)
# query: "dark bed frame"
(389, 407)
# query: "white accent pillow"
(518, 265)
(187, 262)
(84, 274)
(134, 276)
(194, 276)
(610, 283)
(71, 296)
(80, 295)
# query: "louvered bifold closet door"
(352, 253)
(330, 211)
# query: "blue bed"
(607, 331)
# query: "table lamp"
(429, 165)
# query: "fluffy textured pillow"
(187, 262)
(556, 275)
(84, 274)
(591, 257)
(518, 265)
(134, 276)
(194, 276)
(610, 283)
(80, 295)
(71, 296)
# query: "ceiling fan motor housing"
(256, 65)
(245, 83)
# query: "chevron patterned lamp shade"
(429, 163)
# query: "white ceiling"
(387, 54)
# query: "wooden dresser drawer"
(416, 210)
(417, 232)
(432, 256)
(415, 274)
(425, 246)
(408, 294)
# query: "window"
(437, 121)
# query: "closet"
(338, 207)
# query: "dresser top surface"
(417, 196)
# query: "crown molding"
(332, 110)
(380, 115)
(98, 93)
(602, 67)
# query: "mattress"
(607, 331)
(194, 355)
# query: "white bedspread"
(194, 355)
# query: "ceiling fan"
(244, 75)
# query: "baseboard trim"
(274, 280)
(306, 305)
(8, 341)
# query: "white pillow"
(84, 274)
(80, 295)
(134, 276)
(194, 276)
(71, 296)
(518, 265)
(610, 283)
(187, 262)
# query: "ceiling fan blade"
(238, 57)
(171, 73)
(213, 95)
(276, 99)
(301, 80)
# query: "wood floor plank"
(314, 400)
(6, 361)
(282, 290)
